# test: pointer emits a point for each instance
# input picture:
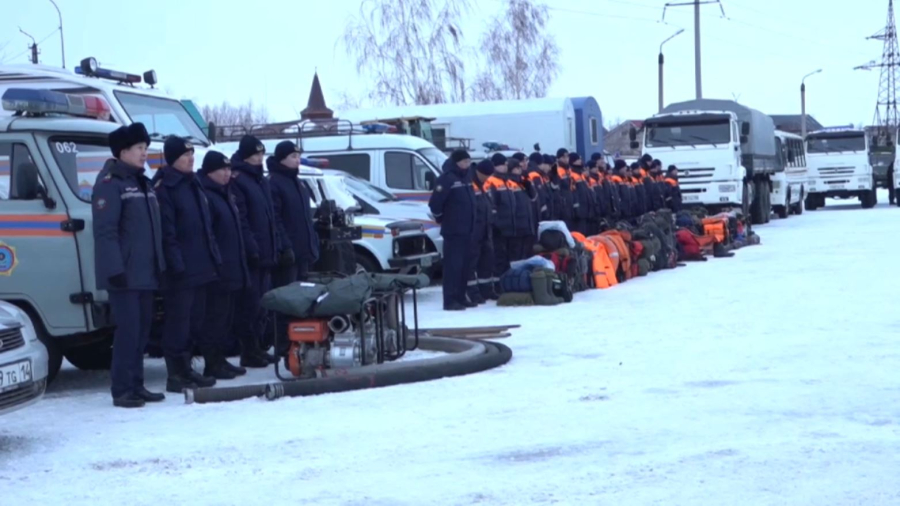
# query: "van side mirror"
(635, 144)
(49, 203)
(632, 134)
(745, 129)
(744, 139)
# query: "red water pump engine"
(340, 342)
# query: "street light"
(62, 39)
(661, 61)
(803, 102)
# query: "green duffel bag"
(643, 267)
(387, 282)
(295, 299)
(542, 287)
(340, 296)
(513, 299)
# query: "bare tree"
(347, 101)
(244, 115)
(522, 54)
(413, 49)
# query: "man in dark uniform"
(221, 296)
(673, 190)
(254, 201)
(298, 241)
(128, 259)
(582, 197)
(480, 286)
(565, 200)
(453, 205)
(503, 204)
(192, 257)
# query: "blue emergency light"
(318, 163)
(90, 68)
(379, 128)
(33, 101)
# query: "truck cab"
(725, 154)
(839, 167)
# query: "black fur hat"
(126, 136)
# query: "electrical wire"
(23, 53)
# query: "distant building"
(618, 142)
(793, 123)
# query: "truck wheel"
(767, 201)
(54, 353)
(798, 207)
(92, 357)
(746, 199)
(784, 211)
(811, 202)
(869, 198)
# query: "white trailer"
(520, 124)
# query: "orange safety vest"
(601, 265)
(621, 239)
(535, 176)
(495, 183)
(564, 174)
(671, 181)
(716, 227)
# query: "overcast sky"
(267, 50)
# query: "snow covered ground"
(769, 378)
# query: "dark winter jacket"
(615, 202)
(192, 254)
(673, 194)
(543, 204)
(483, 214)
(127, 230)
(293, 216)
(563, 203)
(453, 203)
(582, 195)
(626, 197)
(602, 199)
(655, 199)
(503, 204)
(226, 225)
(523, 194)
(254, 201)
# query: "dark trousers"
(480, 284)
(250, 318)
(185, 311)
(218, 320)
(503, 251)
(526, 246)
(456, 253)
(132, 312)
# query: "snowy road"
(770, 378)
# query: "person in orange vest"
(536, 173)
(480, 286)
(640, 195)
(623, 190)
(582, 196)
(504, 213)
(564, 203)
(673, 190)
(523, 243)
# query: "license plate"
(837, 187)
(14, 374)
(691, 198)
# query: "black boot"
(149, 396)
(198, 379)
(129, 400)
(251, 356)
(719, 251)
(178, 381)
(215, 367)
(236, 370)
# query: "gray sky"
(267, 50)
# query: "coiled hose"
(463, 357)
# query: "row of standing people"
(489, 213)
(210, 242)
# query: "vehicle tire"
(767, 201)
(811, 203)
(869, 198)
(366, 263)
(92, 357)
(746, 199)
(798, 207)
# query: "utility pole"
(661, 63)
(803, 102)
(62, 38)
(698, 78)
(33, 47)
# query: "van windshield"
(836, 143)
(435, 156)
(162, 116)
(368, 190)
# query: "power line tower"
(887, 117)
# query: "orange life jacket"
(601, 265)
(618, 237)
(717, 228)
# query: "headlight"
(727, 188)
(27, 327)
(349, 219)
(396, 248)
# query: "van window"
(595, 134)
(80, 159)
(406, 171)
(19, 177)
(357, 164)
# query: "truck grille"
(415, 245)
(695, 175)
(836, 171)
(11, 339)
(22, 394)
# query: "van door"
(408, 176)
(39, 262)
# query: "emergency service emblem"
(8, 259)
(439, 188)
(101, 203)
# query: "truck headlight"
(727, 188)
(396, 248)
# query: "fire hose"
(462, 357)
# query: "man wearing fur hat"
(129, 259)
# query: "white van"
(404, 165)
